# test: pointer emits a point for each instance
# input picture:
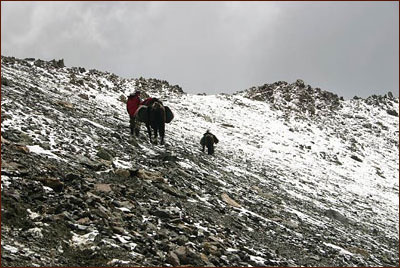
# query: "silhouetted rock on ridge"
(295, 97)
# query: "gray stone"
(6, 82)
(300, 83)
(333, 214)
(95, 165)
(72, 176)
(161, 213)
(392, 112)
(84, 96)
(104, 154)
(356, 158)
(173, 259)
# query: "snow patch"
(32, 215)
(11, 248)
(83, 240)
(39, 150)
(342, 251)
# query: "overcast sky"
(349, 48)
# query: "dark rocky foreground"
(78, 190)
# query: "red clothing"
(132, 104)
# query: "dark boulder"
(392, 112)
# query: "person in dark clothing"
(132, 105)
(208, 140)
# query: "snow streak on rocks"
(300, 177)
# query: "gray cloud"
(350, 48)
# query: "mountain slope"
(300, 177)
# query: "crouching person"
(208, 140)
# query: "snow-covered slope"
(300, 177)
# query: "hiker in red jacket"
(132, 105)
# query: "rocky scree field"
(300, 177)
